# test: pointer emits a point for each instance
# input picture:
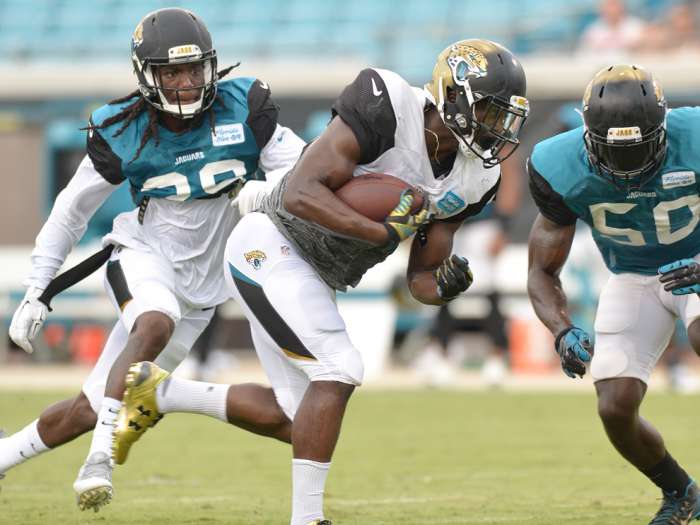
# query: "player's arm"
(363, 129)
(435, 277)
(74, 206)
(548, 248)
(325, 166)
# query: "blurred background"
(60, 59)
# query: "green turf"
(409, 458)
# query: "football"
(375, 195)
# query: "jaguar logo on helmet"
(659, 92)
(137, 37)
(467, 62)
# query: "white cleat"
(93, 488)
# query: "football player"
(284, 263)
(630, 172)
(182, 141)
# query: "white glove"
(28, 320)
(250, 197)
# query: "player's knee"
(354, 369)
(151, 333)
(614, 408)
(275, 419)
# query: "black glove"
(453, 277)
(575, 349)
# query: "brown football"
(375, 195)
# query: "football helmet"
(624, 115)
(478, 87)
(173, 36)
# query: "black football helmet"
(167, 37)
(479, 87)
(624, 115)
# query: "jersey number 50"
(207, 179)
(662, 220)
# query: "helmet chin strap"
(181, 110)
(178, 110)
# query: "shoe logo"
(375, 91)
(263, 85)
(113, 411)
(21, 453)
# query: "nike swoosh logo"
(264, 85)
(376, 91)
(112, 411)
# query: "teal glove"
(575, 350)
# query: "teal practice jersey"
(195, 164)
(636, 231)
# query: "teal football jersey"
(636, 231)
(195, 164)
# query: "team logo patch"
(228, 134)
(451, 203)
(285, 250)
(255, 258)
(677, 179)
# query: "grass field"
(409, 458)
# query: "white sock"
(104, 429)
(197, 397)
(21, 446)
(308, 484)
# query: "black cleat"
(679, 510)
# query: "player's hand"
(28, 320)
(453, 277)
(575, 350)
(401, 223)
(681, 277)
(251, 195)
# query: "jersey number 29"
(207, 179)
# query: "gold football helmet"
(479, 87)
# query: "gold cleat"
(139, 409)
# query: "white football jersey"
(467, 183)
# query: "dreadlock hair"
(138, 106)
